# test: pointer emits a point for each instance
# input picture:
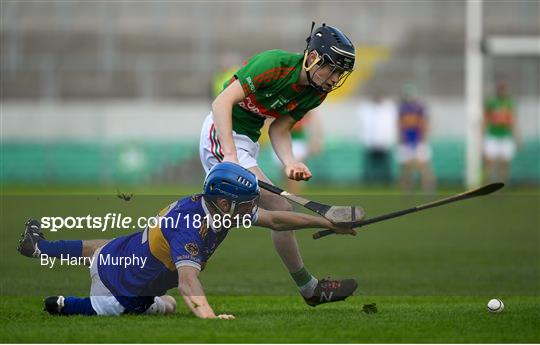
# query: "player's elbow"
(278, 223)
(216, 104)
(269, 220)
(221, 101)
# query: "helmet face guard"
(335, 51)
(239, 206)
(315, 67)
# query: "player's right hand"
(225, 317)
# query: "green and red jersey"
(499, 116)
(269, 81)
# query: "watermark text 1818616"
(117, 221)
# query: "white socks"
(308, 289)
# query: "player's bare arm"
(222, 110)
(280, 136)
(193, 294)
(285, 221)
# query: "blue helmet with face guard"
(234, 183)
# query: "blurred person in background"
(500, 133)
(414, 152)
(378, 121)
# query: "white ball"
(495, 305)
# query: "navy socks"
(77, 306)
(56, 248)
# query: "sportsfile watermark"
(118, 221)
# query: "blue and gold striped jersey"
(412, 115)
(178, 240)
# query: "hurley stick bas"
(335, 214)
(484, 190)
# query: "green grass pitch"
(431, 275)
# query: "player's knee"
(275, 203)
(287, 206)
(284, 206)
(280, 236)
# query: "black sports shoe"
(54, 304)
(328, 291)
(29, 239)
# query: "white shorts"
(104, 302)
(210, 149)
(300, 150)
(499, 148)
(408, 153)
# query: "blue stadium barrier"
(140, 162)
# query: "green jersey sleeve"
(298, 114)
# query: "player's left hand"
(298, 171)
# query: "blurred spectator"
(307, 140)
(414, 152)
(378, 119)
(500, 134)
